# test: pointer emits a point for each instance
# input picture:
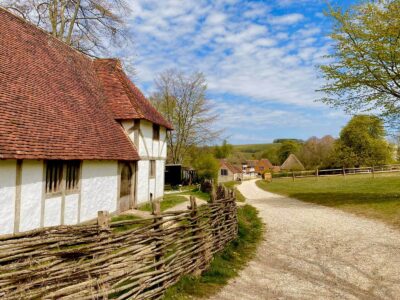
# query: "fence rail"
(130, 259)
(338, 172)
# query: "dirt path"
(314, 252)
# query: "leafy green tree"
(287, 148)
(362, 142)
(207, 166)
(224, 150)
(272, 155)
(363, 72)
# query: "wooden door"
(126, 194)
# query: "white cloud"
(288, 19)
(239, 56)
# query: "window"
(152, 168)
(156, 132)
(72, 177)
(55, 170)
(224, 172)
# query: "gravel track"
(315, 252)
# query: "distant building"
(176, 174)
(228, 172)
(292, 163)
(263, 165)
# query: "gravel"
(315, 252)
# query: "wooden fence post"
(213, 195)
(103, 219)
(293, 175)
(344, 171)
(317, 173)
(373, 171)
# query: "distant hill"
(242, 153)
(253, 148)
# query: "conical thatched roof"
(292, 163)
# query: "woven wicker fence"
(133, 259)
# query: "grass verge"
(232, 185)
(226, 264)
(198, 194)
(377, 198)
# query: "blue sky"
(259, 59)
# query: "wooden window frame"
(224, 172)
(62, 177)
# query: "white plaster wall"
(142, 192)
(163, 143)
(160, 167)
(31, 194)
(71, 209)
(52, 211)
(99, 188)
(128, 125)
(7, 195)
(152, 187)
(146, 141)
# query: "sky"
(259, 59)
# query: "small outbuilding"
(292, 163)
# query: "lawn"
(169, 201)
(377, 197)
(226, 264)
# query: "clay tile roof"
(51, 102)
(265, 162)
(223, 163)
(125, 100)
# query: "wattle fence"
(130, 259)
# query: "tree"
(87, 25)
(288, 147)
(271, 154)
(224, 150)
(362, 142)
(207, 166)
(182, 100)
(363, 72)
(316, 153)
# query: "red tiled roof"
(124, 99)
(265, 162)
(51, 102)
(232, 168)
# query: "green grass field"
(226, 264)
(169, 201)
(377, 197)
